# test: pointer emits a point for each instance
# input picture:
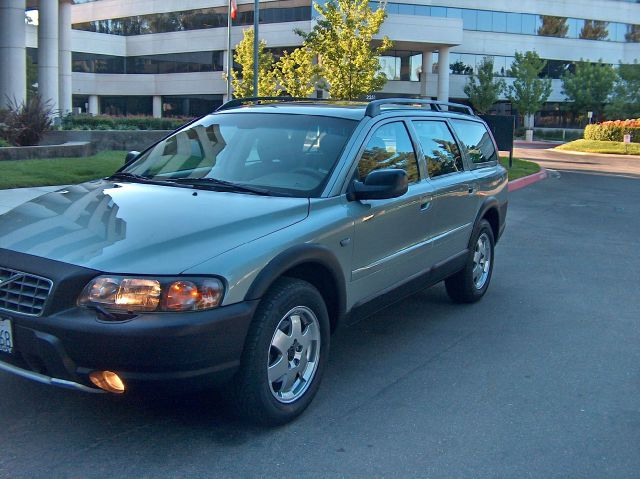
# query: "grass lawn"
(520, 167)
(59, 171)
(593, 146)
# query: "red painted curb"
(527, 180)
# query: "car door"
(389, 245)
(453, 188)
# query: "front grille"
(23, 293)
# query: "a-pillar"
(157, 106)
(94, 105)
(48, 52)
(427, 61)
(443, 74)
(64, 57)
(13, 76)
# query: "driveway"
(540, 379)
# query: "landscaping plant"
(613, 130)
(24, 124)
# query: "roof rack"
(256, 99)
(374, 107)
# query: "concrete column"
(13, 66)
(443, 74)
(427, 61)
(94, 105)
(64, 57)
(48, 52)
(157, 106)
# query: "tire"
(470, 283)
(285, 354)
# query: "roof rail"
(374, 107)
(256, 99)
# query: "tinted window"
(389, 147)
(476, 140)
(291, 154)
(440, 149)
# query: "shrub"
(4, 143)
(104, 122)
(613, 131)
(24, 124)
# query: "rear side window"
(389, 147)
(439, 148)
(476, 140)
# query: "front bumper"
(162, 351)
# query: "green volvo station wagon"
(226, 254)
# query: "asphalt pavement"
(541, 379)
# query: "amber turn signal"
(107, 380)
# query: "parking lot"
(540, 379)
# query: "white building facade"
(166, 57)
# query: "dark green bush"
(613, 131)
(24, 124)
(104, 122)
(569, 135)
(4, 143)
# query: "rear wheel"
(285, 354)
(470, 284)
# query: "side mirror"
(380, 185)
(132, 155)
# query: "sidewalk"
(12, 198)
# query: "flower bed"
(613, 131)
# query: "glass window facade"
(186, 62)
(401, 65)
(190, 105)
(525, 24)
(216, 17)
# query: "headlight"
(130, 294)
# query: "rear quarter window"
(476, 140)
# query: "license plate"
(6, 336)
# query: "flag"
(234, 9)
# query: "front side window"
(439, 147)
(476, 140)
(389, 147)
(281, 153)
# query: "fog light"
(107, 380)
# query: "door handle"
(471, 189)
(425, 203)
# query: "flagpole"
(256, 17)
(229, 52)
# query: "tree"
(242, 81)
(589, 87)
(633, 33)
(460, 68)
(553, 26)
(341, 39)
(594, 30)
(295, 72)
(483, 89)
(625, 99)
(528, 91)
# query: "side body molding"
(312, 254)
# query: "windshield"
(281, 153)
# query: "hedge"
(104, 122)
(613, 131)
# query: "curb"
(528, 180)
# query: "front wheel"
(285, 353)
(469, 284)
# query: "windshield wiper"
(125, 175)
(228, 185)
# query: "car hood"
(142, 228)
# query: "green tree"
(341, 39)
(589, 87)
(528, 92)
(242, 81)
(482, 88)
(553, 26)
(460, 68)
(594, 30)
(295, 73)
(625, 99)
